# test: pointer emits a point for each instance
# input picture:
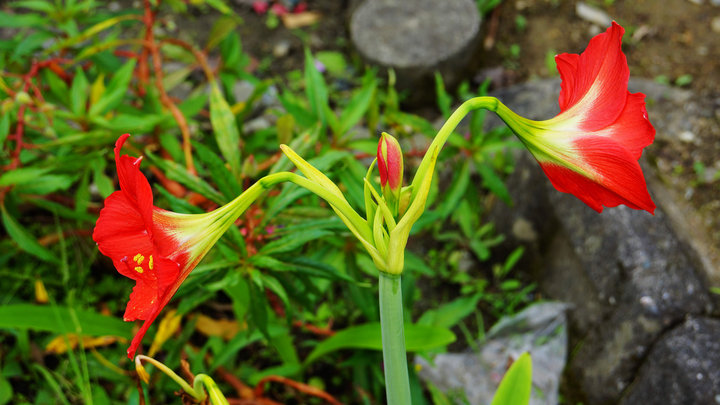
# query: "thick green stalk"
(397, 383)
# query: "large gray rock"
(693, 348)
(629, 276)
(417, 38)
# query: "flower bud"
(390, 164)
(141, 372)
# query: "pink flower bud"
(390, 164)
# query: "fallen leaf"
(292, 21)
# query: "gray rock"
(417, 38)
(629, 275)
(539, 329)
(693, 348)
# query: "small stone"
(242, 90)
(523, 230)
(687, 136)
(593, 15)
(715, 24)
(281, 49)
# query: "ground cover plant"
(285, 301)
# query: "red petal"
(140, 334)
(120, 234)
(618, 178)
(143, 301)
(168, 272)
(632, 129)
(133, 182)
(595, 83)
(382, 165)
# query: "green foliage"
(516, 385)
(289, 288)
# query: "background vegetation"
(284, 307)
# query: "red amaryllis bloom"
(591, 149)
(154, 247)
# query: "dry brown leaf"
(299, 20)
(60, 343)
(224, 328)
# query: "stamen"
(139, 258)
(139, 269)
(150, 264)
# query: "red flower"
(591, 149)
(154, 247)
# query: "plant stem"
(397, 383)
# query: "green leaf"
(304, 117)
(92, 32)
(25, 240)
(301, 266)
(494, 183)
(315, 89)
(222, 27)
(449, 314)
(79, 93)
(226, 183)
(135, 122)
(418, 338)
(292, 241)
(8, 20)
(227, 134)
(23, 175)
(29, 44)
(258, 304)
(460, 182)
(220, 6)
(37, 5)
(60, 320)
(101, 180)
(47, 184)
(4, 128)
(178, 173)
(515, 387)
(115, 90)
(333, 61)
(443, 98)
(6, 391)
(358, 105)
(59, 395)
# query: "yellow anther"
(151, 263)
(139, 258)
(139, 269)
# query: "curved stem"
(397, 383)
(197, 395)
(214, 394)
(488, 103)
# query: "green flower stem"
(488, 103)
(397, 383)
(197, 395)
(227, 214)
(214, 393)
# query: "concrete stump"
(417, 38)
